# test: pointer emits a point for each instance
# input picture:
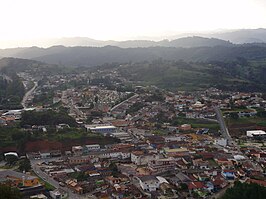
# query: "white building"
(221, 142)
(93, 147)
(101, 129)
(58, 194)
(151, 183)
(256, 133)
(139, 158)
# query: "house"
(79, 160)
(228, 174)
(77, 150)
(162, 165)
(92, 147)
(19, 179)
(176, 151)
(179, 178)
(221, 142)
(113, 180)
(219, 182)
(201, 164)
(140, 158)
(149, 183)
(58, 194)
(195, 185)
(209, 186)
(185, 127)
(223, 162)
(38, 196)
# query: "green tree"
(7, 192)
(234, 115)
(245, 191)
(11, 159)
(24, 165)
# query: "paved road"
(45, 177)
(123, 102)
(231, 142)
(223, 127)
(28, 94)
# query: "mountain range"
(179, 40)
(93, 56)
(88, 52)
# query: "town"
(112, 138)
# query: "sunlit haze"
(27, 20)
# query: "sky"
(29, 20)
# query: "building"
(140, 158)
(256, 133)
(149, 183)
(58, 194)
(19, 179)
(221, 142)
(92, 147)
(104, 129)
(122, 136)
(38, 196)
(162, 165)
(79, 160)
(77, 150)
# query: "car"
(61, 184)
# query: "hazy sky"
(124, 19)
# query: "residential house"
(228, 174)
(19, 179)
(58, 194)
(149, 183)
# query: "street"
(45, 177)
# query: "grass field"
(246, 120)
(199, 123)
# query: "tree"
(245, 191)
(261, 114)
(113, 168)
(7, 192)
(11, 159)
(234, 115)
(183, 187)
(24, 165)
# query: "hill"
(239, 75)
(242, 36)
(91, 56)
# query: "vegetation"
(24, 165)
(18, 138)
(195, 123)
(11, 160)
(135, 107)
(11, 91)
(48, 117)
(245, 191)
(239, 75)
(7, 192)
(80, 176)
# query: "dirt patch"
(42, 145)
